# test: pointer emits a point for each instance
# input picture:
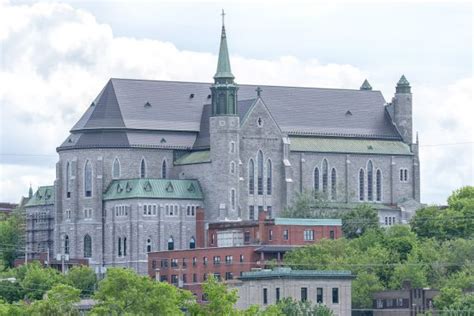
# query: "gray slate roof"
(179, 107)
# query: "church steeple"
(223, 63)
(224, 90)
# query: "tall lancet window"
(333, 184)
(361, 184)
(116, 169)
(269, 177)
(379, 185)
(316, 179)
(164, 170)
(260, 172)
(325, 176)
(143, 168)
(88, 179)
(68, 179)
(87, 246)
(370, 181)
(251, 177)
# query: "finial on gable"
(259, 91)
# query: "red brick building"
(227, 249)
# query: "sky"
(55, 57)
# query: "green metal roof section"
(403, 86)
(403, 81)
(43, 196)
(288, 273)
(147, 188)
(308, 221)
(223, 63)
(350, 146)
(366, 85)
(194, 157)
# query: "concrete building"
(232, 149)
(265, 287)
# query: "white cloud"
(55, 60)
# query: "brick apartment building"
(227, 249)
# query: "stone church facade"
(146, 154)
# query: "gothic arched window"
(164, 170)
(116, 169)
(333, 184)
(66, 244)
(68, 179)
(260, 172)
(251, 177)
(231, 103)
(378, 181)
(124, 246)
(87, 246)
(232, 199)
(325, 176)
(221, 104)
(269, 177)
(361, 185)
(316, 179)
(119, 247)
(148, 245)
(88, 179)
(143, 168)
(370, 181)
(171, 243)
(192, 243)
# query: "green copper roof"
(288, 273)
(366, 85)
(223, 64)
(308, 221)
(194, 157)
(350, 146)
(403, 81)
(154, 189)
(43, 196)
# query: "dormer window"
(147, 104)
(259, 122)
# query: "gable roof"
(149, 188)
(43, 196)
(152, 106)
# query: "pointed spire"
(223, 63)
(366, 85)
(403, 86)
(417, 140)
(30, 192)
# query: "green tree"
(359, 220)
(38, 280)
(426, 221)
(309, 204)
(220, 301)
(411, 270)
(364, 286)
(57, 302)
(82, 278)
(11, 238)
(122, 291)
(291, 307)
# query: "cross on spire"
(223, 15)
(259, 91)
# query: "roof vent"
(128, 188)
(147, 186)
(191, 188)
(370, 147)
(208, 96)
(169, 187)
(163, 141)
(119, 188)
(69, 140)
(191, 95)
(147, 104)
(348, 113)
(93, 104)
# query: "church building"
(147, 153)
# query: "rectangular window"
(164, 263)
(265, 296)
(386, 221)
(204, 261)
(194, 261)
(217, 275)
(277, 294)
(241, 258)
(304, 294)
(308, 235)
(335, 295)
(184, 263)
(332, 234)
(260, 210)
(174, 279)
(246, 237)
(285, 234)
(251, 212)
(195, 277)
(228, 259)
(217, 260)
(269, 211)
(229, 276)
(185, 278)
(270, 234)
(319, 295)
(174, 263)
(164, 278)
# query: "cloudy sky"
(56, 57)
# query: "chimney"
(200, 231)
(262, 216)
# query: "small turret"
(403, 86)
(402, 110)
(366, 85)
